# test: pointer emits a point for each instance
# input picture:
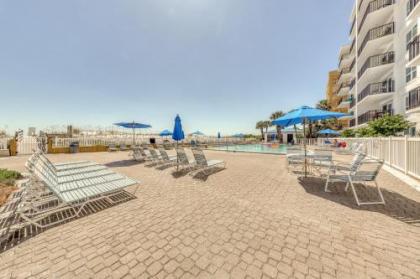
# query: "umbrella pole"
(177, 162)
(304, 146)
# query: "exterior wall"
(330, 94)
(369, 17)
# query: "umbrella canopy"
(304, 113)
(178, 133)
(133, 125)
(301, 116)
(329, 132)
(165, 133)
(197, 133)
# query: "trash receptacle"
(74, 147)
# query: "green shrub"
(9, 177)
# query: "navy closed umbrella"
(178, 133)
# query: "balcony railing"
(352, 123)
(352, 45)
(343, 85)
(352, 103)
(376, 88)
(352, 64)
(376, 33)
(344, 71)
(413, 48)
(374, 6)
(352, 83)
(377, 60)
(372, 115)
(413, 99)
(352, 25)
(360, 4)
(411, 4)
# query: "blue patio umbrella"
(178, 134)
(301, 116)
(165, 133)
(329, 132)
(133, 125)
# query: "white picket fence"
(26, 145)
(402, 153)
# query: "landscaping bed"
(7, 183)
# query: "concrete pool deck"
(252, 220)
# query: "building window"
(410, 73)
(411, 35)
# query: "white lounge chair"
(202, 164)
(112, 147)
(361, 170)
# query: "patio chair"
(75, 195)
(295, 157)
(123, 147)
(182, 160)
(137, 155)
(360, 171)
(112, 147)
(353, 148)
(202, 164)
(321, 158)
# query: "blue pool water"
(253, 148)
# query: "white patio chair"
(202, 164)
(362, 171)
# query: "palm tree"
(260, 125)
(273, 117)
(323, 104)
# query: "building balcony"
(345, 103)
(413, 100)
(352, 26)
(412, 8)
(352, 103)
(376, 61)
(344, 89)
(344, 74)
(376, 33)
(372, 115)
(414, 51)
(376, 91)
(374, 6)
(353, 43)
(352, 123)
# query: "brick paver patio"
(252, 220)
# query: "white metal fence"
(26, 145)
(3, 143)
(402, 153)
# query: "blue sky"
(221, 64)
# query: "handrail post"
(389, 151)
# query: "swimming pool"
(253, 148)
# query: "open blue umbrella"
(178, 134)
(133, 125)
(329, 132)
(165, 133)
(304, 114)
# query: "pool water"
(254, 148)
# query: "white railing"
(402, 153)
(3, 143)
(128, 140)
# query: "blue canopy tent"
(165, 133)
(197, 133)
(133, 125)
(301, 116)
(178, 134)
(329, 132)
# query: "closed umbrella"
(178, 133)
(301, 116)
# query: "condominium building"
(332, 99)
(378, 68)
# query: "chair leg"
(354, 192)
(379, 192)
(326, 185)
(347, 186)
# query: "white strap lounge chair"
(204, 165)
(137, 155)
(112, 147)
(182, 160)
(360, 171)
(123, 147)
